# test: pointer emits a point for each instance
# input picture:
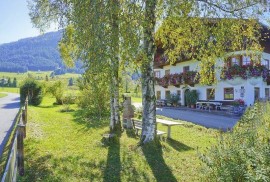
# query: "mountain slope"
(36, 53)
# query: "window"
(210, 94)
(158, 94)
(157, 74)
(256, 93)
(185, 68)
(167, 94)
(235, 60)
(265, 62)
(228, 93)
(246, 60)
(167, 72)
(266, 92)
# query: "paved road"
(9, 107)
(204, 119)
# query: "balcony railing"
(186, 78)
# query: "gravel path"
(9, 107)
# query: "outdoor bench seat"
(137, 125)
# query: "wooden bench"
(137, 125)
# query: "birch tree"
(91, 34)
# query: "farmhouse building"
(238, 78)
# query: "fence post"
(24, 118)
(20, 147)
(26, 108)
(23, 121)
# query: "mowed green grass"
(136, 99)
(9, 90)
(67, 147)
(2, 95)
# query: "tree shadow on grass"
(47, 106)
(49, 167)
(131, 133)
(178, 145)
(154, 156)
(113, 166)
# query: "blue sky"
(15, 22)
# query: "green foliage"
(95, 95)
(191, 97)
(14, 83)
(6, 82)
(138, 112)
(242, 155)
(57, 90)
(33, 90)
(174, 98)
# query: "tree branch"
(225, 9)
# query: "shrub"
(174, 98)
(69, 99)
(242, 155)
(57, 90)
(94, 98)
(191, 97)
(33, 90)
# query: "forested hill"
(33, 54)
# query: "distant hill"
(33, 54)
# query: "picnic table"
(206, 105)
(169, 124)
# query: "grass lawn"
(10, 89)
(2, 95)
(136, 99)
(67, 147)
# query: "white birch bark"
(148, 92)
(115, 66)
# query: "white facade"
(242, 89)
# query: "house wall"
(248, 85)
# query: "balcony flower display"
(164, 81)
(234, 71)
(189, 77)
(245, 71)
(160, 60)
(176, 79)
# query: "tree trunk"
(112, 121)
(115, 65)
(148, 90)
